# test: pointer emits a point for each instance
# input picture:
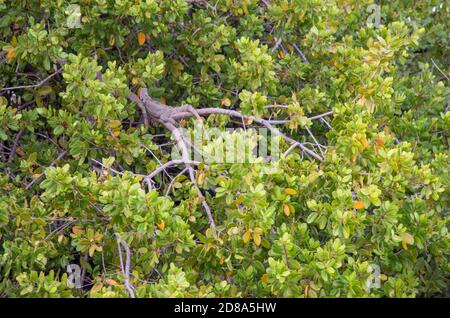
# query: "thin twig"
(45, 80)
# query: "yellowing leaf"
(222, 260)
(225, 102)
(113, 124)
(365, 143)
(200, 177)
(112, 40)
(358, 205)
(116, 133)
(407, 239)
(141, 38)
(91, 250)
(178, 249)
(265, 278)
(246, 236)
(161, 225)
(290, 191)
(257, 238)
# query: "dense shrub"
(75, 152)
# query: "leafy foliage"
(74, 151)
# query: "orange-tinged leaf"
(246, 236)
(358, 204)
(379, 142)
(116, 133)
(290, 191)
(76, 230)
(280, 54)
(286, 210)
(248, 121)
(141, 38)
(10, 54)
(225, 102)
(161, 225)
(112, 282)
(362, 101)
(305, 293)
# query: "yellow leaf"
(265, 278)
(200, 177)
(112, 282)
(113, 124)
(246, 236)
(222, 259)
(141, 38)
(112, 40)
(365, 143)
(91, 250)
(407, 239)
(280, 54)
(178, 249)
(116, 133)
(358, 205)
(290, 191)
(257, 238)
(225, 102)
(161, 225)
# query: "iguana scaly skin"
(163, 113)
